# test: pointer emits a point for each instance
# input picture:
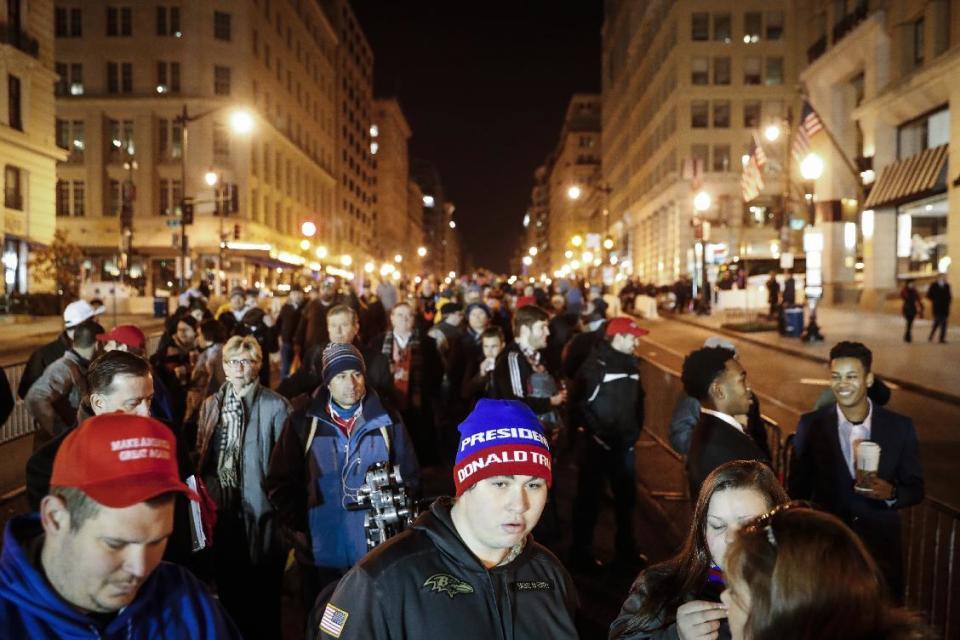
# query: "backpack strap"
(310, 437)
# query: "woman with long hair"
(679, 598)
(795, 573)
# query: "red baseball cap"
(120, 460)
(623, 324)
(127, 334)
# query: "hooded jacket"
(310, 487)
(610, 396)
(170, 604)
(427, 578)
(54, 398)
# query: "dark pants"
(597, 466)
(249, 591)
(941, 322)
(908, 334)
(286, 360)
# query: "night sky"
(484, 86)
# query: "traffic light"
(186, 212)
(234, 199)
(236, 232)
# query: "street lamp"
(398, 258)
(772, 133)
(305, 244)
(574, 192)
(422, 252)
(321, 252)
(533, 251)
(241, 121)
(702, 201)
(811, 168)
(308, 228)
(576, 240)
(701, 204)
(346, 260)
(211, 178)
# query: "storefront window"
(922, 236)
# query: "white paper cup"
(868, 461)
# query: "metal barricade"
(930, 532)
(20, 422)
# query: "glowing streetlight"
(321, 252)
(587, 256)
(576, 240)
(305, 245)
(574, 192)
(398, 258)
(210, 177)
(608, 243)
(811, 168)
(308, 229)
(568, 254)
(453, 224)
(701, 201)
(772, 133)
(527, 260)
(421, 251)
(346, 260)
(241, 121)
(533, 251)
(368, 267)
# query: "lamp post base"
(812, 332)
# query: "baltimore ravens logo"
(443, 583)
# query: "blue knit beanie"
(337, 358)
(501, 438)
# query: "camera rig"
(390, 509)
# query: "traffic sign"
(173, 223)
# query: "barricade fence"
(20, 423)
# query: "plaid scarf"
(406, 365)
(232, 421)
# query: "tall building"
(392, 171)
(440, 237)
(575, 192)
(687, 83)
(28, 148)
(882, 76)
(129, 73)
(536, 221)
(354, 233)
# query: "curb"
(936, 394)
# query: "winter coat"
(940, 298)
(171, 604)
(610, 396)
(40, 360)
(266, 413)
(427, 578)
(54, 398)
(307, 480)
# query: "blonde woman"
(236, 433)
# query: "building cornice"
(898, 102)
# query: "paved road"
(788, 386)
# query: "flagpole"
(836, 145)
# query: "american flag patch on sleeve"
(333, 620)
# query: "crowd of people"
(240, 452)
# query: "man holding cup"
(859, 461)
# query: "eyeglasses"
(246, 364)
(764, 523)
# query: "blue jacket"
(310, 491)
(171, 603)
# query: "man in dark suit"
(823, 470)
(713, 376)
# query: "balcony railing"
(849, 21)
(19, 39)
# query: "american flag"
(810, 125)
(751, 182)
(333, 620)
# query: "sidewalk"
(20, 334)
(924, 367)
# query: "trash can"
(793, 321)
(160, 306)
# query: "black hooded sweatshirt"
(426, 583)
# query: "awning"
(922, 174)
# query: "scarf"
(406, 364)
(344, 418)
(232, 422)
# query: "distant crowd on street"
(384, 458)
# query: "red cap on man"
(623, 324)
(120, 460)
(127, 334)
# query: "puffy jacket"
(309, 487)
(610, 395)
(54, 398)
(170, 604)
(427, 579)
(267, 412)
